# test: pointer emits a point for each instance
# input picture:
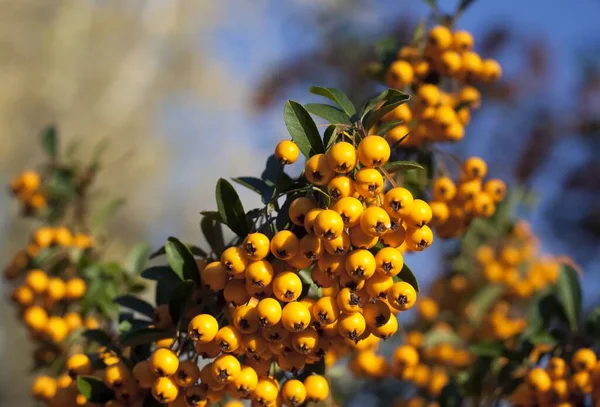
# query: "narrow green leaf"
(94, 389)
(568, 291)
(386, 127)
(303, 129)
(160, 273)
(330, 113)
(370, 104)
(394, 166)
(98, 336)
(483, 300)
(330, 136)
(489, 349)
(436, 336)
(336, 96)
(180, 299)
(49, 138)
(136, 304)
(393, 99)
(136, 258)
(257, 185)
(143, 336)
(230, 208)
(212, 231)
(181, 260)
(408, 276)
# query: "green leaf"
(49, 137)
(283, 216)
(125, 326)
(273, 171)
(212, 231)
(303, 129)
(330, 113)
(98, 336)
(568, 292)
(482, 302)
(164, 290)
(592, 323)
(393, 99)
(180, 298)
(488, 349)
(394, 166)
(160, 273)
(257, 185)
(136, 258)
(336, 96)
(136, 304)
(436, 336)
(543, 338)
(143, 336)
(181, 260)
(408, 276)
(230, 208)
(94, 389)
(330, 136)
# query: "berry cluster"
(454, 206)
(553, 383)
(436, 115)
(27, 188)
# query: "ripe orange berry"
(256, 246)
(388, 329)
(228, 338)
(287, 152)
(462, 41)
(328, 225)
(293, 392)
(325, 310)
(305, 341)
(260, 273)
(398, 202)
(43, 237)
(246, 381)
(214, 276)
(360, 239)
(402, 296)
(428, 95)
(299, 262)
(309, 220)
(287, 286)
(375, 221)
(496, 188)
(376, 313)
(349, 209)
(368, 182)
(450, 63)
(299, 208)
(490, 71)
(44, 388)
(440, 212)
(35, 318)
(284, 245)
(78, 364)
(418, 239)
(245, 319)
(143, 375)
(468, 189)
(584, 359)
(311, 247)
(470, 66)
(399, 134)
(321, 278)
(164, 390)
(164, 362)
(203, 328)
(225, 368)
(235, 292)
(187, 374)
(317, 170)
(269, 312)
(483, 205)
(56, 289)
(360, 264)
(373, 151)
(395, 236)
(349, 301)
(234, 261)
(340, 187)
(337, 246)
(76, 288)
(378, 285)
(37, 280)
(22, 295)
(295, 317)
(439, 38)
(317, 388)
(352, 325)
(399, 75)
(474, 168)
(402, 113)
(419, 215)
(341, 157)
(539, 379)
(266, 391)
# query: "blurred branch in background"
(101, 71)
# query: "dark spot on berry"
(387, 266)
(317, 175)
(250, 249)
(289, 294)
(300, 219)
(396, 205)
(299, 326)
(373, 188)
(402, 300)
(340, 250)
(335, 193)
(310, 255)
(223, 375)
(329, 235)
(359, 272)
(380, 320)
(323, 317)
(282, 253)
(354, 299)
(353, 335)
(380, 227)
(224, 346)
(345, 218)
(244, 324)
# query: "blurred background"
(181, 93)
